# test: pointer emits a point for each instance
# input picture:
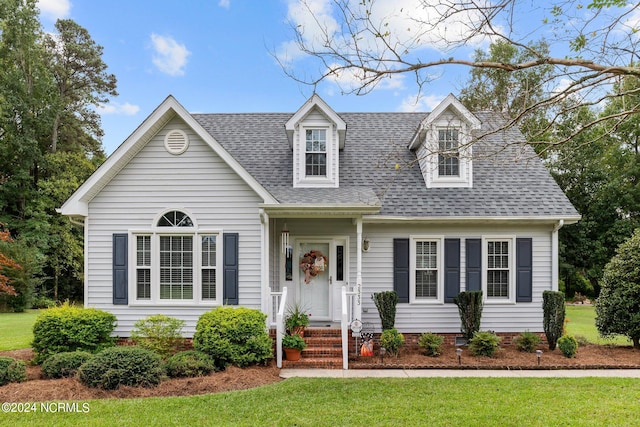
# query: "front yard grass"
(373, 401)
(16, 329)
(582, 322)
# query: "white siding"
(197, 181)
(377, 276)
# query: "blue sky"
(212, 55)
(215, 56)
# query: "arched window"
(177, 262)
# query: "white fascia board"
(319, 211)
(77, 204)
(532, 220)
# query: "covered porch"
(313, 259)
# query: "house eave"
(319, 210)
(492, 220)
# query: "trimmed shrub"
(568, 345)
(392, 340)
(431, 344)
(190, 363)
(116, 366)
(553, 320)
(69, 328)
(386, 304)
(64, 365)
(12, 370)
(484, 343)
(159, 333)
(527, 341)
(470, 310)
(234, 336)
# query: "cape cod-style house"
(195, 211)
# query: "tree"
(6, 263)
(368, 42)
(81, 80)
(505, 92)
(618, 307)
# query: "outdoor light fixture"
(459, 353)
(539, 355)
(383, 351)
(365, 245)
(285, 239)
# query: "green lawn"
(372, 402)
(582, 322)
(16, 329)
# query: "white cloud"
(225, 3)
(54, 9)
(420, 102)
(117, 108)
(170, 57)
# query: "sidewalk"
(452, 373)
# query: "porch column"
(358, 308)
(264, 267)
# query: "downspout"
(555, 262)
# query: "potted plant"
(297, 320)
(293, 345)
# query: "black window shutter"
(451, 269)
(120, 267)
(524, 267)
(230, 268)
(474, 264)
(401, 269)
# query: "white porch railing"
(279, 298)
(348, 298)
(275, 298)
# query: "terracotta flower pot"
(292, 354)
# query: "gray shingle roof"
(508, 180)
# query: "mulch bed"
(508, 357)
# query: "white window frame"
(155, 233)
(439, 240)
(464, 179)
(511, 240)
(301, 179)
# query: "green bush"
(294, 341)
(190, 363)
(116, 366)
(12, 370)
(618, 306)
(236, 336)
(470, 310)
(553, 316)
(431, 344)
(527, 341)
(42, 301)
(69, 328)
(392, 340)
(63, 365)
(159, 333)
(386, 304)
(568, 345)
(484, 343)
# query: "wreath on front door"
(313, 263)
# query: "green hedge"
(69, 328)
(116, 366)
(12, 370)
(190, 363)
(159, 333)
(234, 336)
(64, 365)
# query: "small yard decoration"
(366, 349)
(313, 263)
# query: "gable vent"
(176, 142)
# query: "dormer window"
(443, 145)
(448, 152)
(316, 134)
(316, 153)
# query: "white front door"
(321, 266)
